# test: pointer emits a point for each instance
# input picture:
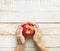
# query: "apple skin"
(28, 30)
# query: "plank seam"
(34, 22)
(42, 34)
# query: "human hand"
(37, 36)
(37, 39)
(20, 39)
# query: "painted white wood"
(50, 35)
(48, 41)
(45, 28)
(32, 10)
(28, 49)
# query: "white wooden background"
(45, 13)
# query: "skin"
(20, 39)
(36, 39)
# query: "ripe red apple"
(28, 29)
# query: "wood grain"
(28, 49)
(48, 41)
(34, 10)
(45, 13)
(46, 28)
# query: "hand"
(37, 39)
(37, 36)
(19, 35)
(20, 39)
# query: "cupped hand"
(37, 36)
(20, 39)
(19, 35)
(37, 39)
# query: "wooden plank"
(46, 28)
(28, 49)
(46, 13)
(48, 41)
(36, 17)
(35, 11)
(33, 22)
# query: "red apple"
(28, 29)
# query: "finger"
(22, 38)
(18, 30)
(35, 30)
(37, 27)
(19, 34)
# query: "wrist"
(39, 45)
(42, 47)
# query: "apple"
(28, 29)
